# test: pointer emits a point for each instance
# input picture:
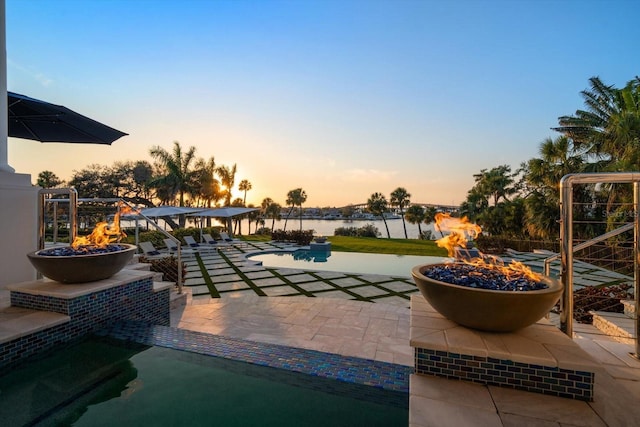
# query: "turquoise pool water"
(107, 382)
(346, 262)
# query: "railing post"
(636, 261)
(566, 254)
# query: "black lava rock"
(480, 277)
(82, 250)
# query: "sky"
(343, 98)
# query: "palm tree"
(400, 198)
(271, 209)
(253, 216)
(176, 175)
(245, 186)
(176, 167)
(377, 205)
(227, 180)
(496, 183)
(430, 217)
(558, 157)
(415, 215)
(295, 198)
(609, 126)
(207, 187)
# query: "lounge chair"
(191, 242)
(225, 237)
(209, 240)
(206, 238)
(150, 251)
(172, 247)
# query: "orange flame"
(102, 235)
(461, 231)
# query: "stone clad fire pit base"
(538, 358)
(487, 310)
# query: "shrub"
(368, 230)
(263, 231)
(154, 237)
(302, 238)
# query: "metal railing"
(71, 222)
(567, 248)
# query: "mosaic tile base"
(506, 373)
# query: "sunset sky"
(343, 98)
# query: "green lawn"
(375, 245)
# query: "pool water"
(106, 382)
(346, 262)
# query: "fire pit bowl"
(82, 268)
(485, 309)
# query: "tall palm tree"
(245, 186)
(295, 198)
(176, 167)
(430, 217)
(253, 216)
(176, 173)
(378, 205)
(542, 175)
(415, 215)
(227, 180)
(400, 198)
(270, 209)
(609, 126)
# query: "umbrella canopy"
(228, 213)
(168, 211)
(31, 118)
(224, 212)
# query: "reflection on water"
(311, 256)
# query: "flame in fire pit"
(461, 231)
(103, 234)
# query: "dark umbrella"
(31, 118)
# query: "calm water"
(346, 262)
(107, 383)
(327, 227)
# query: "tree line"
(603, 136)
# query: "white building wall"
(18, 227)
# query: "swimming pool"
(345, 262)
(106, 382)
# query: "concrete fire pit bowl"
(487, 310)
(82, 268)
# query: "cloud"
(369, 175)
(35, 75)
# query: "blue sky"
(342, 98)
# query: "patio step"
(629, 308)
(16, 322)
(616, 325)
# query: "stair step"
(16, 322)
(629, 308)
(5, 298)
(141, 266)
(616, 325)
